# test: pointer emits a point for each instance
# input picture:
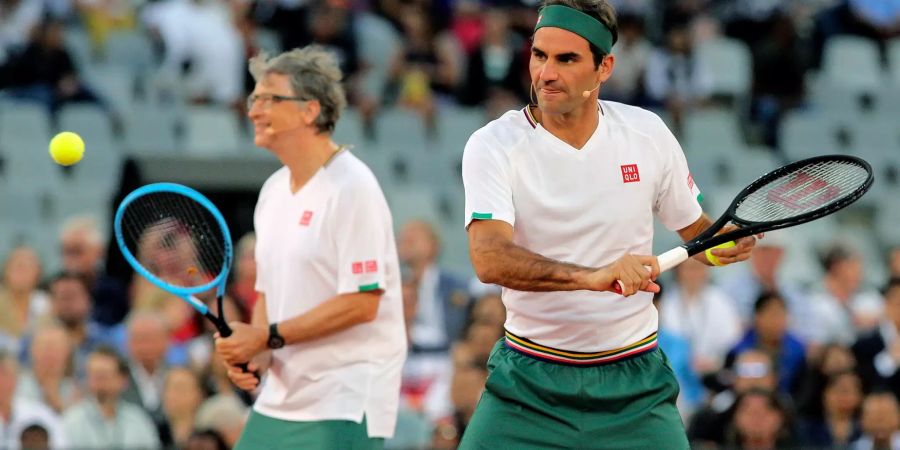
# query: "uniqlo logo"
(306, 218)
(371, 266)
(357, 268)
(630, 173)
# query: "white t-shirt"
(25, 413)
(588, 207)
(334, 236)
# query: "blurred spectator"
(206, 440)
(839, 308)
(49, 379)
(201, 42)
(880, 423)
(81, 250)
(632, 51)
(44, 72)
(750, 20)
(17, 414)
(102, 17)
(830, 361)
(703, 314)
(20, 297)
(761, 274)
(283, 16)
(469, 375)
(70, 303)
(225, 414)
(494, 71)
(243, 288)
(147, 346)
(779, 74)
(769, 334)
(18, 18)
(676, 77)
(35, 437)
(838, 425)
(103, 419)
(678, 350)
(181, 399)
(331, 24)
(428, 65)
(752, 369)
(878, 352)
(442, 299)
(760, 420)
(893, 262)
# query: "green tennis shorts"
(268, 433)
(533, 400)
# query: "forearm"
(515, 267)
(330, 317)
(693, 230)
(260, 317)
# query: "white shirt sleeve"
(362, 231)
(678, 203)
(487, 181)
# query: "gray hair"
(314, 75)
(85, 223)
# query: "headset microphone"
(587, 94)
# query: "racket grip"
(666, 261)
(246, 369)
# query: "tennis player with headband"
(560, 202)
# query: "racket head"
(184, 231)
(791, 195)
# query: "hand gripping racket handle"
(666, 261)
(225, 331)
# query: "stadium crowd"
(88, 360)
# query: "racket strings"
(175, 238)
(806, 189)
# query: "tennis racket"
(797, 193)
(178, 240)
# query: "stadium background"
(157, 90)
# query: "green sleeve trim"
(482, 216)
(368, 287)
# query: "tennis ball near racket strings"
(66, 148)
(715, 260)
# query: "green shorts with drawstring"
(536, 400)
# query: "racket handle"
(666, 261)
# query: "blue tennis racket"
(178, 240)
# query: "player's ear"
(606, 67)
(311, 112)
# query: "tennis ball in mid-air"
(66, 148)
(712, 258)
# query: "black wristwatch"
(275, 339)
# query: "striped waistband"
(553, 355)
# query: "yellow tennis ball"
(66, 148)
(712, 258)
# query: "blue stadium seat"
(861, 54)
(730, 63)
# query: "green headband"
(571, 19)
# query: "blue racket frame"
(187, 293)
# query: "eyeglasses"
(269, 99)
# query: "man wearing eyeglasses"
(328, 278)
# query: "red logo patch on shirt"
(630, 173)
(357, 267)
(690, 181)
(306, 218)
(371, 266)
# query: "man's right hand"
(247, 381)
(632, 271)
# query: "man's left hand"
(740, 252)
(245, 342)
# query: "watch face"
(276, 342)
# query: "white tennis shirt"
(588, 207)
(334, 236)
